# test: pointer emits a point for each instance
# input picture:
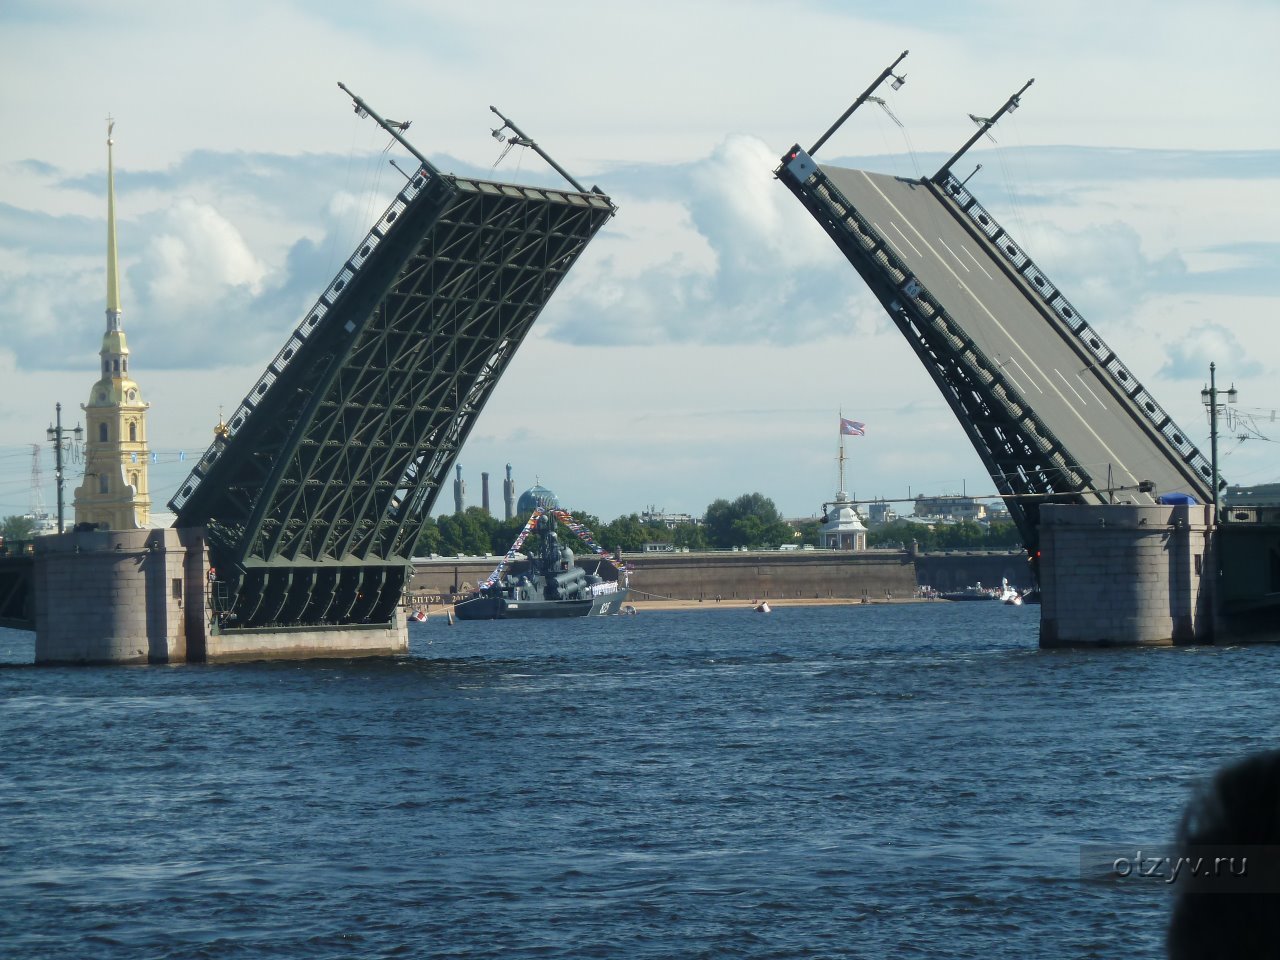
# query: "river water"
(869, 781)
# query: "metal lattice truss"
(316, 494)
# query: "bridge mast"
(984, 124)
(522, 140)
(887, 72)
(391, 127)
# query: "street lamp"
(55, 435)
(1209, 397)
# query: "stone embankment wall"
(1124, 575)
(958, 569)
(764, 574)
(775, 575)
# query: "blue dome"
(536, 496)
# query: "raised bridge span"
(1053, 412)
(316, 491)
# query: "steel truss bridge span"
(316, 489)
(1051, 410)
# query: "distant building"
(114, 494)
(669, 520)
(509, 494)
(950, 508)
(536, 496)
(459, 492)
(842, 528)
(997, 511)
(1258, 495)
(881, 511)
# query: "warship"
(550, 583)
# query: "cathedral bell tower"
(114, 494)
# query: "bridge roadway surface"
(1063, 387)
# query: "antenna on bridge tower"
(984, 124)
(523, 140)
(38, 512)
(887, 72)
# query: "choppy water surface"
(908, 781)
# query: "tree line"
(751, 521)
(965, 535)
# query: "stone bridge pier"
(1125, 575)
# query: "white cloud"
(1103, 268)
(730, 257)
(1189, 357)
(194, 257)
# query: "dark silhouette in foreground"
(1237, 814)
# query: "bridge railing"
(301, 332)
(1048, 291)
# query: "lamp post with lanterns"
(55, 434)
(1209, 397)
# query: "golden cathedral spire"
(114, 494)
(113, 265)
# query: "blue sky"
(721, 327)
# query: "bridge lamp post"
(1209, 397)
(55, 435)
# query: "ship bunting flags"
(578, 529)
(852, 428)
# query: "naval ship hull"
(502, 608)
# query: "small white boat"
(763, 607)
(1008, 594)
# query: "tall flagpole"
(840, 459)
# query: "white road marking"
(1085, 423)
(953, 253)
(1005, 370)
(1014, 360)
(1069, 386)
(1085, 384)
(908, 239)
(975, 260)
(888, 239)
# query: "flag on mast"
(852, 428)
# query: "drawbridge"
(1052, 411)
(315, 490)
